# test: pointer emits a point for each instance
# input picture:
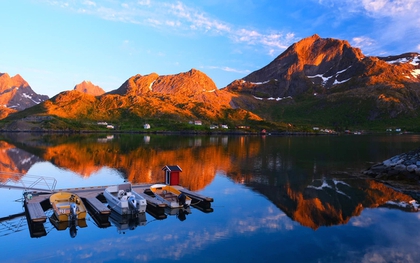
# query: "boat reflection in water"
(71, 225)
(127, 221)
(180, 213)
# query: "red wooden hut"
(172, 174)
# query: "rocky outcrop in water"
(404, 167)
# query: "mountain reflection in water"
(293, 173)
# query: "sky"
(55, 45)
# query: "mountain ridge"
(317, 81)
(89, 88)
(315, 61)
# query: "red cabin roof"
(172, 168)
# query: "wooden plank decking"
(97, 206)
(153, 201)
(36, 213)
(195, 196)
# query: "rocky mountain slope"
(89, 88)
(175, 99)
(321, 64)
(181, 89)
(16, 95)
(317, 78)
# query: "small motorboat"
(67, 206)
(170, 196)
(122, 199)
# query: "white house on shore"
(146, 126)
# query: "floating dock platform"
(37, 202)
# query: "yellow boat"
(171, 196)
(67, 206)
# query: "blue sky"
(55, 45)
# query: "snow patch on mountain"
(344, 70)
(335, 76)
(416, 61)
(413, 61)
(399, 61)
(271, 98)
(415, 73)
(151, 85)
(324, 79)
(340, 82)
(259, 82)
(30, 97)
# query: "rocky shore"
(401, 171)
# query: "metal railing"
(27, 182)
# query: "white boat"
(171, 196)
(122, 199)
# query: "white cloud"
(89, 3)
(397, 10)
(228, 69)
(377, 8)
(179, 17)
(363, 42)
(392, 21)
(418, 47)
(390, 7)
(144, 2)
(375, 5)
(173, 23)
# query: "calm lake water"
(276, 199)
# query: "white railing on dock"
(27, 182)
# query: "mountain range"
(315, 82)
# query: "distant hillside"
(171, 101)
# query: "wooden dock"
(37, 202)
